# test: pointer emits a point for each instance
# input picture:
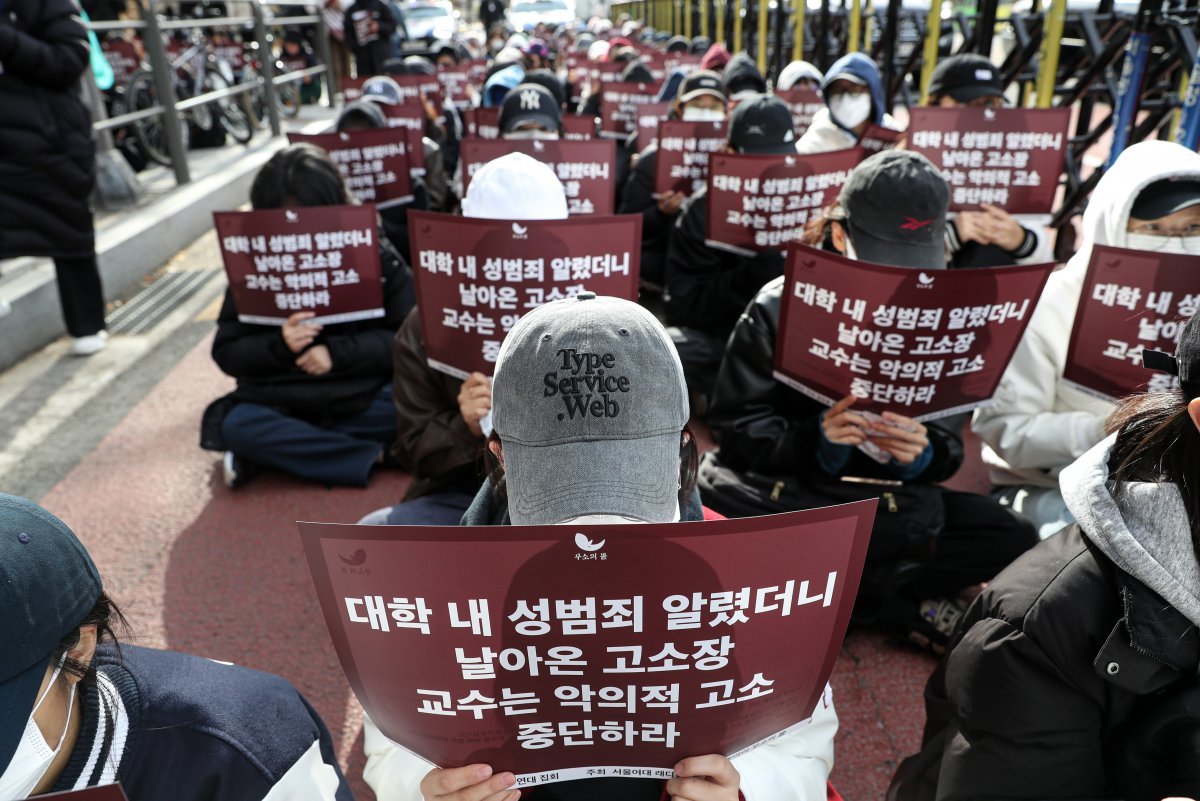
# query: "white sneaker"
(86, 346)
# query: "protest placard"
(681, 61)
(876, 139)
(578, 128)
(804, 103)
(758, 203)
(587, 169)
(411, 119)
(921, 343)
(123, 57)
(482, 122)
(476, 277)
(455, 82)
(374, 163)
(564, 653)
(107, 792)
(683, 151)
(649, 116)
(416, 89)
(323, 259)
(1006, 157)
(1130, 300)
(352, 89)
(619, 104)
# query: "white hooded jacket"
(1037, 424)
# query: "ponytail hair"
(1157, 441)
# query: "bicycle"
(194, 72)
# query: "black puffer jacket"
(707, 288)
(1068, 678)
(637, 197)
(768, 428)
(47, 157)
(266, 370)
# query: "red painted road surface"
(206, 570)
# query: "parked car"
(524, 15)
(430, 19)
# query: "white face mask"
(34, 755)
(850, 110)
(532, 134)
(1187, 245)
(702, 114)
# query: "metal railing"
(153, 25)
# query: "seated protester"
(368, 26)
(77, 710)
(854, 99)
(383, 91)
(439, 417)
(742, 78)
(799, 75)
(544, 473)
(535, 55)
(298, 55)
(500, 83)
(634, 72)
(991, 237)
(714, 58)
(707, 289)
(1074, 673)
(678, 45)
(771, 434)
(699, 45)
(701, 97)
(551, 83)
(311, 400)
(1037, 424)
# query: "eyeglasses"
(1155, 239)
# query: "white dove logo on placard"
(585, 544)
(291, 216)
(924, 280)
(519, 231)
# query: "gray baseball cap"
(589, 401)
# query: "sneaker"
(86, 346)
(235, 470)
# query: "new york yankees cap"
(895, 204)
(589, 401)
(530, 103)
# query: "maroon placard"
(478, 68)
(108, 792)
(233, 53)
(758, 203)
(565, 653)
(122, 56)
(483, 122)
(619, 104)
(455, 83)
(352, 89)
(1131, 299)
(683, 150)
(648, 118)
(587, 169)
(804, 103)
(1008, 157)
(323, 259)
(374, 162)
(578, 129)
(876, 139)
(921, 343)
(475, 277)
(411, 119)
(416, 88)
(687, 63)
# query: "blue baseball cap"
(48, 584)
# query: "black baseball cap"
(1165, 197)
(762, 124)
(48, 584)
(701, 83)
(966, 77)
(1185, 364)
(895, 204)
(530, 102)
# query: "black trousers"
(81, 295)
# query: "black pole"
(985, 27)
(778, 58)
(890, 31)
(821, 54)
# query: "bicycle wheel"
(232, 112)
(287, 97)
(151, 131)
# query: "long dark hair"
(108, 620)
(1157, 441)
(689, 465)
(299, 175)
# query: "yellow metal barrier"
(855, 32)
(1051, 43)
(687, 20)
(737, 26)
(704, 18)
(760, 46)
(933, 36)
(798, 31)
